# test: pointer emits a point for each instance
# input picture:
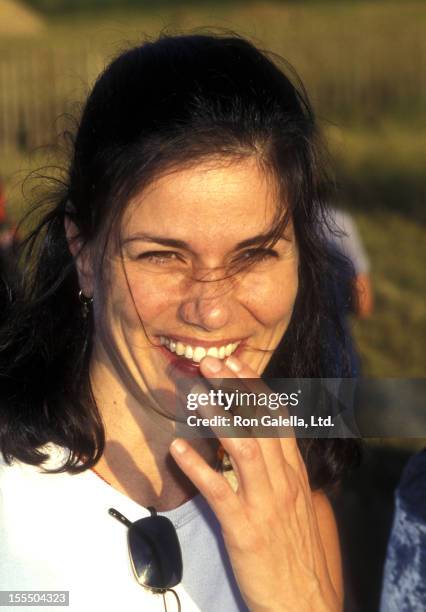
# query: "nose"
(207, 303)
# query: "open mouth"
(194, 353)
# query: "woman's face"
(171, 296)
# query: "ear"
(82, 256)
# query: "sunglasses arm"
(120, 517)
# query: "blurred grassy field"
(364, 65)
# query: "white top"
(56, 534)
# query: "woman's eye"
(255, 255)
(159, 257)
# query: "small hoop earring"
(86, 303)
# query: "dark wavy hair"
(169, 102)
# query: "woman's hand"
(270, 524)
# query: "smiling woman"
(212, 214)
(186, 240)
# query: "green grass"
(391, 342)
(381, 180)
(381, 168)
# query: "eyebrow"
(181, 244)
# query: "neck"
(136, 460)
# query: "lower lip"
(187, 366)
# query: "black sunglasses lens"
(155, 552)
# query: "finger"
(211, 484)
(254, 473)
(230, 368)
(244, 452)
(254, 483)
(247, 384)
(233, 367)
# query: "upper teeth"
(196, 353)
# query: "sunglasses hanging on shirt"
(154, 552)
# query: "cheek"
(143, 298)
(150, 303)
(270, 298)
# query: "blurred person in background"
(354, 290)
(343, 235)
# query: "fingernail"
(179, 446)
(212, 364)
(233, 364)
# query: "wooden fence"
(39, 83)
(38, 86)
